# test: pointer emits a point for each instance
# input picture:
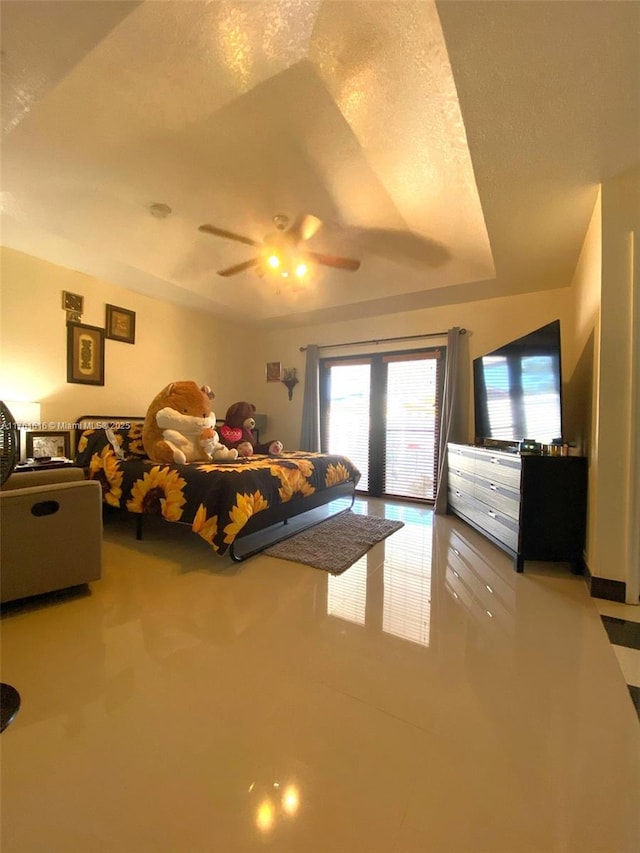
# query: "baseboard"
(605, 587)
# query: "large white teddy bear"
(191, 438)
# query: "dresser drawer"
(499, 497)
(461, 458)
(502, 527)
(460, 501)
(499, 468)
(461, 481)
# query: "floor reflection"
(407, 579)
(474, 582)
(389, 589)
(478, 595)
(347, 593)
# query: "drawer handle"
(492, 514)
(458, 494)
(459, 472)
(493, 487)
(495, 460)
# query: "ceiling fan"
(279, 252)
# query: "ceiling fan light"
(273, 261)
(301, 270)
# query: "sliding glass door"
(347, 415)
(383, 412)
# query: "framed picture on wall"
(72, 302)
(274, 371)
(45, 445)
(85, 354)
(121, 324)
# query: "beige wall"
(172, 343)
(489, 323)
(581, 403)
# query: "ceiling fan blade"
(245, 265)
(332, 261)
(220, 232)
(304, 227)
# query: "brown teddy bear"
(180, 427)
(237, 431)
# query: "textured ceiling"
(455, 148)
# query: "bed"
(238, 507)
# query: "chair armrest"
(28, 479)
(49, 490)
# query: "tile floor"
(622, 624)
(429, 700)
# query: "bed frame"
(260, 532)
(264, 529)
(264, 525)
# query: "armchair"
(50, 532)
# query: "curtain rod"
(387, 340)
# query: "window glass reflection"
(347, 593)
(407, 577)
(540, 396)
(500, 414)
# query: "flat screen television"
(518, 389)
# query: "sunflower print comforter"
(216, 498)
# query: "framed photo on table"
(274, 371)
(121, 324)
(45, 444)
(85, 354)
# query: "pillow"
(125, 442)
(91, 441)
(132, 440)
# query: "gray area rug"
(335, 544)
